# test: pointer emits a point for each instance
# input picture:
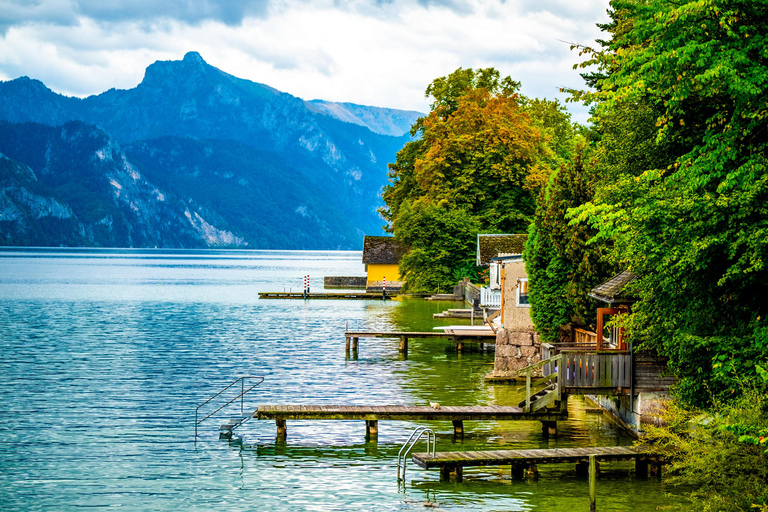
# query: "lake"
(107, 353)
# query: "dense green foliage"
(561, 266)
(722, 455)
(472, 169)
(682, 192)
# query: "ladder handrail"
(243, 391)
(554, 362)
(413, 439)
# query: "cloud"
(381, 53)
(69, 12)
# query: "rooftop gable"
(493, 245)
(382, 250)
(612, 291)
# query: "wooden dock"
(522, 461)
(460, 337)
(325, 296)
(372, 414)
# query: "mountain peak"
(171, 73)
(194, 58)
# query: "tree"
(476, 151)
(561, 266)
(692, 219)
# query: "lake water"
(106, 354)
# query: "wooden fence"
(589, 369)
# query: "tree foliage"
(690, 214)
(561, 266)
(479, 155)
(721, 454)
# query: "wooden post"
(403, 344)
(641, 468)
(518, 471)
(354, 344)
(655, 467)
(528, 392)
(371, 428)
(282, 430)
(447, 471)
(592, 483)
(347, 345)
(458, 428)
(549, 428)
(460, 346)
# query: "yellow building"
(381, 255)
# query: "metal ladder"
(417, 434)
(225, 430)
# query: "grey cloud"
(66, 12)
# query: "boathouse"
(490, 248)
(381, 256)
(517, 342)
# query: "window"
(522, 293)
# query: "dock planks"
(533, 456)
(327, 296)
(454, 462)
(402, 413)
(373, 413)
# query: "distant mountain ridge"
(333, 156)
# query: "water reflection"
(106, 354)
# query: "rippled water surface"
(106, 354)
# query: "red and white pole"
(383, 288)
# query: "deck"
(526, 460)
(373, 413)
(460, 337)
(326, 296)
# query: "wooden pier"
(326, 296)
(459, 337)
(372, 414)
(526, 461)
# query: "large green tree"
(690, 213)
(561, 265)
(478, 154)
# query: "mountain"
(338, 167)
(386, 121)
(254, 192)
(76, 187)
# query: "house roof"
(382, 250)
(493, 245)
(612, 291)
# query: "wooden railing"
(531, 402)
(587, 368)
(584, 337)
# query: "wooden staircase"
(541, 398)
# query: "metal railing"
(417, 434)
(243, 391)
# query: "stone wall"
(514, 351)
(344, 282)
(644, 410)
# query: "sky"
(372, 52)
